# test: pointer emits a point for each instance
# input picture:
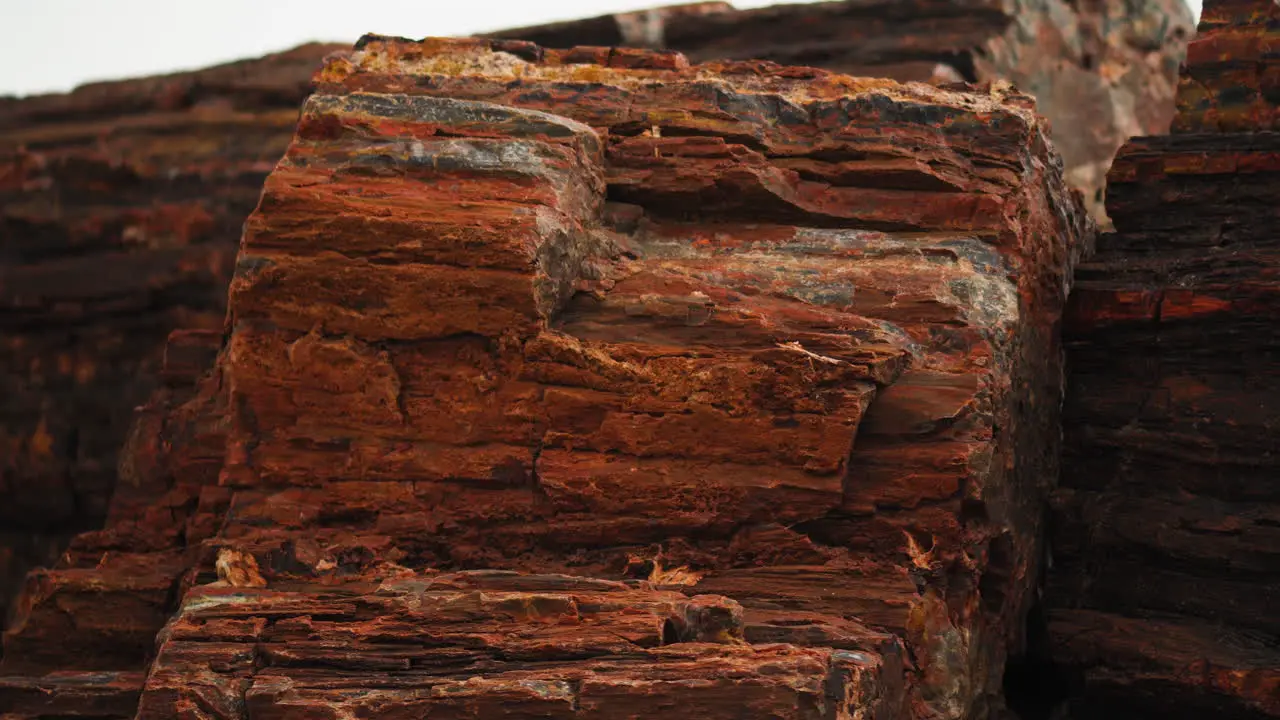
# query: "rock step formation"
(120, 206)
(611, 383)
(1100, 72)
(1167, 542)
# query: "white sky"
(54, 45)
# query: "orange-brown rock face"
(120, 204)
(591, 384)
(1099, 71)
(1167, 549)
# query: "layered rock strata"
(586, 383)
(1101, 72)
(121, 200)
(1167, 545)
(120, 207)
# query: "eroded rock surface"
(1101, 72)
(576, 382)
(1167, 542)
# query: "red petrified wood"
(120, 202)
(1167, 550)
(590, 384)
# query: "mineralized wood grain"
(1167, 533)
(121, 200)
(487, 645)
(1100, 72)
(755, 344)
(120, 207)
(763, 354)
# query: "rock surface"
(120, 207)
(1101, 72)
(1167, 532)
(120, 202)
(566, 383)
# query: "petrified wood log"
(1101, 72)
(739, 383)
(120, 207)
(1167, 541)
(119, 202)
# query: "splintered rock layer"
(1101, 72)
(588, 383)
(1166, 550)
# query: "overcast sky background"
(55, 45)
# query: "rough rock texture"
(497, 645)
(119, 202)
(1166, 571)
(730, 387)
(120, 207)
(1101, 71)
